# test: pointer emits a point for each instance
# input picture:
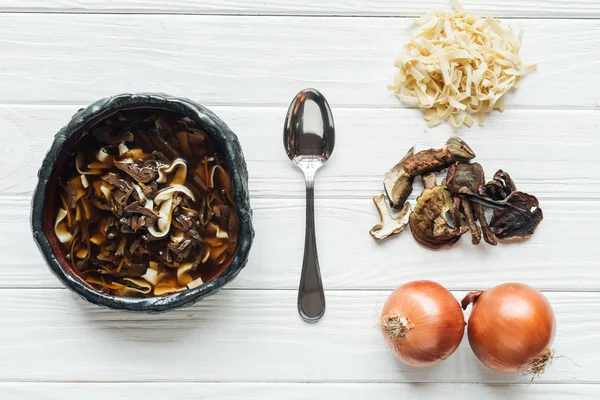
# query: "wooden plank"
(550, 153)
(292, 391)
(562, 255)
(510, 8)
(48, 335)
(76, 58)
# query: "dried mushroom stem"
(488, 235)
(487, 202)
(389, 225)
(463, 180)
(457, 216)
(475, 232)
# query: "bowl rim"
(227, 141)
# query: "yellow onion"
(422, 322)
(511, 327)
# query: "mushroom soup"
(146, 206)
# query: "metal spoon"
(308, 138)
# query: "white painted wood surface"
(246, 60)
(252, 336)
(352, 260)
(507, 8)
(294, 391)
(262, 61)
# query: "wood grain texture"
(552, 154)
(510, 8)
(246, 60)
(562, 255)
(77, 58)
(292, 391)
(251, 336)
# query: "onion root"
(539, 364)
(395, 326)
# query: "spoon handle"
(311, 299)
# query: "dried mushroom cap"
(459, 149)
(514, 223)
(398, 183)
(429, 223)
(465, 175)
(500, 187)
(430, 160)
(389, 225)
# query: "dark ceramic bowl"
(42, 217)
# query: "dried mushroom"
(464, 178)
(521, 218)
(389, 225)
(513, 223)
(398, 181)
(146, 206)
(441, 212)
(498, 188)
(429, 223)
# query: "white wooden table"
(246, 59)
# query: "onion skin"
(510, 326)
(433, 319)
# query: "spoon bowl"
(309, 138)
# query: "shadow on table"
(170, 326)
(462, 366)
